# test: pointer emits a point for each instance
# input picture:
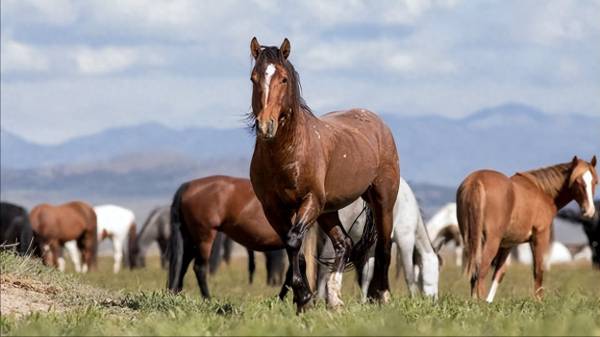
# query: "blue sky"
(74, 67)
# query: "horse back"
(64, 222)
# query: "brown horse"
(306, 168)
(55, 225)
(496, 212)
(204, 206)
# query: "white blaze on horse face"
(269, 72)
(587, 181)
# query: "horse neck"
(552, 181)
(291, 136)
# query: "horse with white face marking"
(408, 233)
(496, 212)
(117, 224)
(442, 228)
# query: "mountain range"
(433, 149)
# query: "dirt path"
(23, 296)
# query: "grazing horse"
(204, 206)
(410, 236)
(15, 229)
(496, 212)
(55, 225)
(591, 227)
(117, 224)
(305, 168)
(274, 260)
(156, 228)
(442, 228)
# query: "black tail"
(175, 249)
(360, 251)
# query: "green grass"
(133, 303)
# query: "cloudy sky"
(74, 67)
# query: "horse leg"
(499, 271)
(162, 245)
(303, 219)
(381, 199)
(539, 248)
(322, 276)
(406, 246)
(342, 244)
(489, 252)
(201, 264)
(215, 253)
(366, 277)
(287, 283)
(87, 244)
(118, 253)
(251, 266)
(75, 254)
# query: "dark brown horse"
(204, 206)
(55, 225)
(496, 212)
(305, 168)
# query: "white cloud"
(105, 60)
(55, 12)
(19, 57)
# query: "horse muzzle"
(267, 129)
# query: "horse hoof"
(381, 297)
(304, 305)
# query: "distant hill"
(433, 149)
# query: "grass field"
(133, 303)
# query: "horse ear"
(593, 161)
(285, 48)
(254, 47)
(574, 161)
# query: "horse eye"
(284, 80)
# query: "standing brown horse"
(496, 212)
(55, 225)
(204, 206)
(306, 168)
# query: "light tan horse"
(496, 212)
(55, 225)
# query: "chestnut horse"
(495, 213)
(204, 206)
(306, 168)
(55, 225)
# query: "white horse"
(557, 253)
(117, 224)
(443, 228)
(408, 233)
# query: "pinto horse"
(204, 206)
(55, 225)
(496, 212)
(118, 225)
(306, 168)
